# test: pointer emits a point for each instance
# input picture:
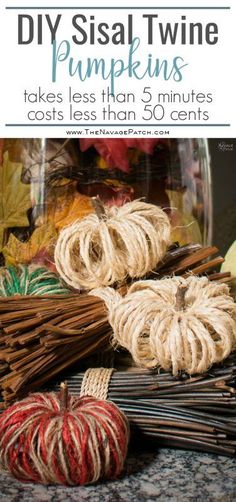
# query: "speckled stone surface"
(165, 475)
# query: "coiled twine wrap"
(160, 332)
(101, 250)
(77, 445)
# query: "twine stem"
(180, 297)
(63, 396)
(99, 207)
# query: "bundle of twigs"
(192, 259)
(40, 337)
(197, 413)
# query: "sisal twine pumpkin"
(174, 323)
(105, 247)
(51, 438)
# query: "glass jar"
(47, 184)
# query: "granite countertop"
(164, 474)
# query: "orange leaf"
(65, 205)
(80, 207)
(43, 239)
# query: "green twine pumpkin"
(23, 280)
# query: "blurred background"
(223, 164)
(48, 184)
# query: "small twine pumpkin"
(57, 438)
(174, 323)
(116, 242)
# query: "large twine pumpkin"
(115, 242)
(174, 323)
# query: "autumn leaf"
(14, 197)
(42, 240)
(111, 192)
(80, 207)
(185, 228)
(64, 205)
(115, 151)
